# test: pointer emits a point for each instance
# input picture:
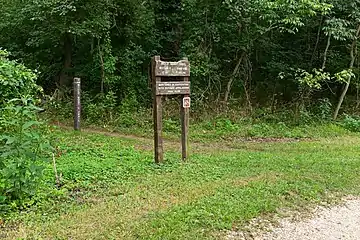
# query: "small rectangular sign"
(172, 69)
(172, 88)
(186, 102)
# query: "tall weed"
(23, 148)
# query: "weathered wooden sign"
(172, 69)
(172, 88)
(164, 71)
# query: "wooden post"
(157, 108)
(184, 117)
(167, 70)
(77, 103)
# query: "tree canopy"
(243, 52)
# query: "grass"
(229, 124)
(113, 190)
(207, 131)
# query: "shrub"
(324, 109)
(22, 148)
(352, 123)
(22, 142)
(16, 80)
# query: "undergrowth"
(205, 123)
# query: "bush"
(323, 109)
(16, 80)
(22, 142)
(352, 123)
(22, 149)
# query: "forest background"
(295, 59)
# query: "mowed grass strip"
(126, 196)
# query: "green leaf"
(29, 124)
(9, 139)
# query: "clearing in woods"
(111, 189)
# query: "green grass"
(229, 130)
(229, 125)
(113, 190)
(225, 129)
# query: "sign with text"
(170, 78)
(173, 88)
(172, 69)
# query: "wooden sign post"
(162, 84)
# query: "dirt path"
(336, 223)
(144, 143)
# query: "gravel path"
(340, 222)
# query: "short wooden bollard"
(165, 71)
(77, 104)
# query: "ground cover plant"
(111, 189)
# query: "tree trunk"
(357, 88)
(232, 78)
(326, 52)
(317, 42)
(357, 98)
(273, 99)
(247, 85)
(352, 56)
(64, 75)
(102, 68)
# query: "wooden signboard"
(172, 69)
(172, 88)
(161, 73)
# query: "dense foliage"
(15, 80)
(246, 53)
(22, 141)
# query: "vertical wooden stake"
(77, 103)
(184, 114)
(158, 141)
